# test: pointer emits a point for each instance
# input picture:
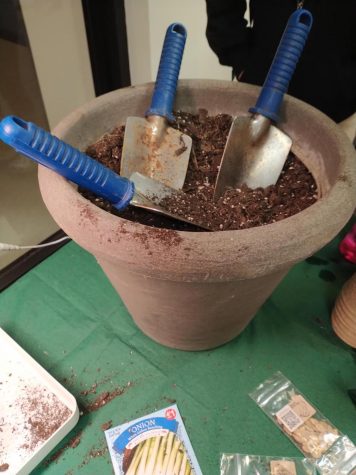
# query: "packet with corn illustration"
(156, 444)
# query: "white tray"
(29, 397)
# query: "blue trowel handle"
(285, 60)
(44, 148)
(168, 72)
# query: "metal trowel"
(150, 146)
(42, 147)
(256, 150)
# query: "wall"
(147, 21)
(138, 40)
(59, 48)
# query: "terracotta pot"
(344, 314)
(195, 291)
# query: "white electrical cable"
(12, 247)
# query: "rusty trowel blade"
(159, 154)
(247, 160)
(152, 190)
(149, 194)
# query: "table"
(65, 313)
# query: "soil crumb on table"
(238, 208)
(107, 425)
(103, 399)
(94, 452)
(73, 443)
(4, 467)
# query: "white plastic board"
(36, 412)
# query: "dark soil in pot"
(237, 208)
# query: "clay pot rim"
(319, 211)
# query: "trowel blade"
(163, 157)
(149, 193)
(256, 163)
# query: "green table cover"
(65, 313)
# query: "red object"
(348, 245)
(170, 414)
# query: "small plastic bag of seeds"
(315, 436)
(238, 464)
(340, 459)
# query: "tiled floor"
(23, 217)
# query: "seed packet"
(315, 436)
(239, 464)
(155, 444)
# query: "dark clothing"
(325, 76)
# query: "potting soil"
(237, 208)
